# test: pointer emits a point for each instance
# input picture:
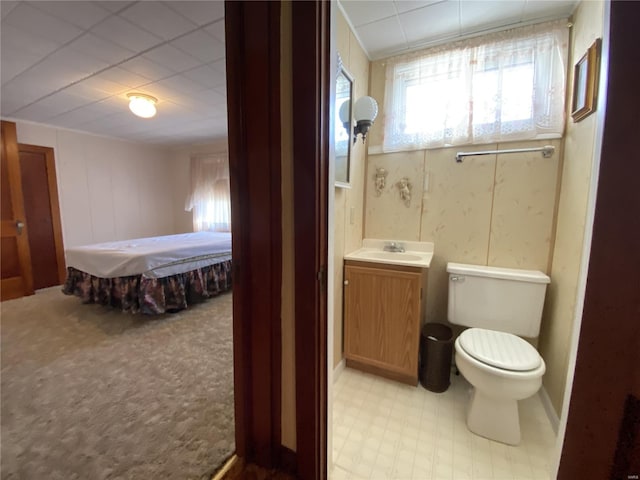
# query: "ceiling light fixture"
(142, 105)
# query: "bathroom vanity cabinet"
(383, 308)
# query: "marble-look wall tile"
(560, 305)
(523, 208)
(386, 215)
(456, 216)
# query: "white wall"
(108, 189)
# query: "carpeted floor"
(91, 393)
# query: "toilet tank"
(503, 299)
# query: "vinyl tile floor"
(386, 430)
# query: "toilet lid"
(500, 349)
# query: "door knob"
(346, 282)
(19, 226)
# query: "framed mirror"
(343, 126)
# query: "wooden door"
(42, 213)
(382, 320)
(15, 278)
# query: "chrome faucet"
(393, 247)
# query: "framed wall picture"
(585, 83)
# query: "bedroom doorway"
(31, 226)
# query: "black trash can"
(436, 348)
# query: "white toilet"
(499, 304)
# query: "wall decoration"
(585, 83)
(405, 191)
(381, 180)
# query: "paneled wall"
(487, 210)
(109, 189)
(349, 203)
(560, 308)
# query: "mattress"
(153, 257)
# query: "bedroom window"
(210, 199)
(505, 86)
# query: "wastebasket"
(436, 348)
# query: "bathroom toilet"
(499, 305)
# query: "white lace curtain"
(504, 86)
(210, 199)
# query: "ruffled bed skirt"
(150, 296)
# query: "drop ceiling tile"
(201, 46)
(198, 11)
(14, 62)
(13, 37)
(147, 68)
(38, 113)
(124, 77)
(6, 6)
(382, 35)
(23, 91)
(82, 14)
(178, 85)
(172, 58)
(73, 63)
(100, 48)
(546, 9)
(431, 22)
(8, 105)
(41, 24)
(101, 84)
(362, 13)
(217, 30)
(126, 34)
(206, 76)
(113, 5)
(86, 90)
(403, 6)
(476, 16)
(159, 19)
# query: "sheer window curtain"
(504, 86)
(210, 199)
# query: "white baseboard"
(548, 408)
(338, 370)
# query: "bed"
(151, 275)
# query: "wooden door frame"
(311, 76)
(10, 148)
(54, 202)
(608, 360)
(253, 99)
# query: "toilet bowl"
(502, 368)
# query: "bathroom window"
(505, 86)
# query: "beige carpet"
(91, 393)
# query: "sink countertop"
(416, 254)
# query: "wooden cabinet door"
(382, 319)
(16, 277)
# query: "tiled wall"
(349, 203)
(487, 210)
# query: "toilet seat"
(500, 349)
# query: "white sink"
(416, 254)
(404, 256)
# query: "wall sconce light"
(365, 111)
(142, 105)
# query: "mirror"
(343, 126)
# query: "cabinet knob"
(346, 282)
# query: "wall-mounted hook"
(380, 180)
(404, 186)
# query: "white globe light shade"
(142, 105)
(365, 108)
(344, 112)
